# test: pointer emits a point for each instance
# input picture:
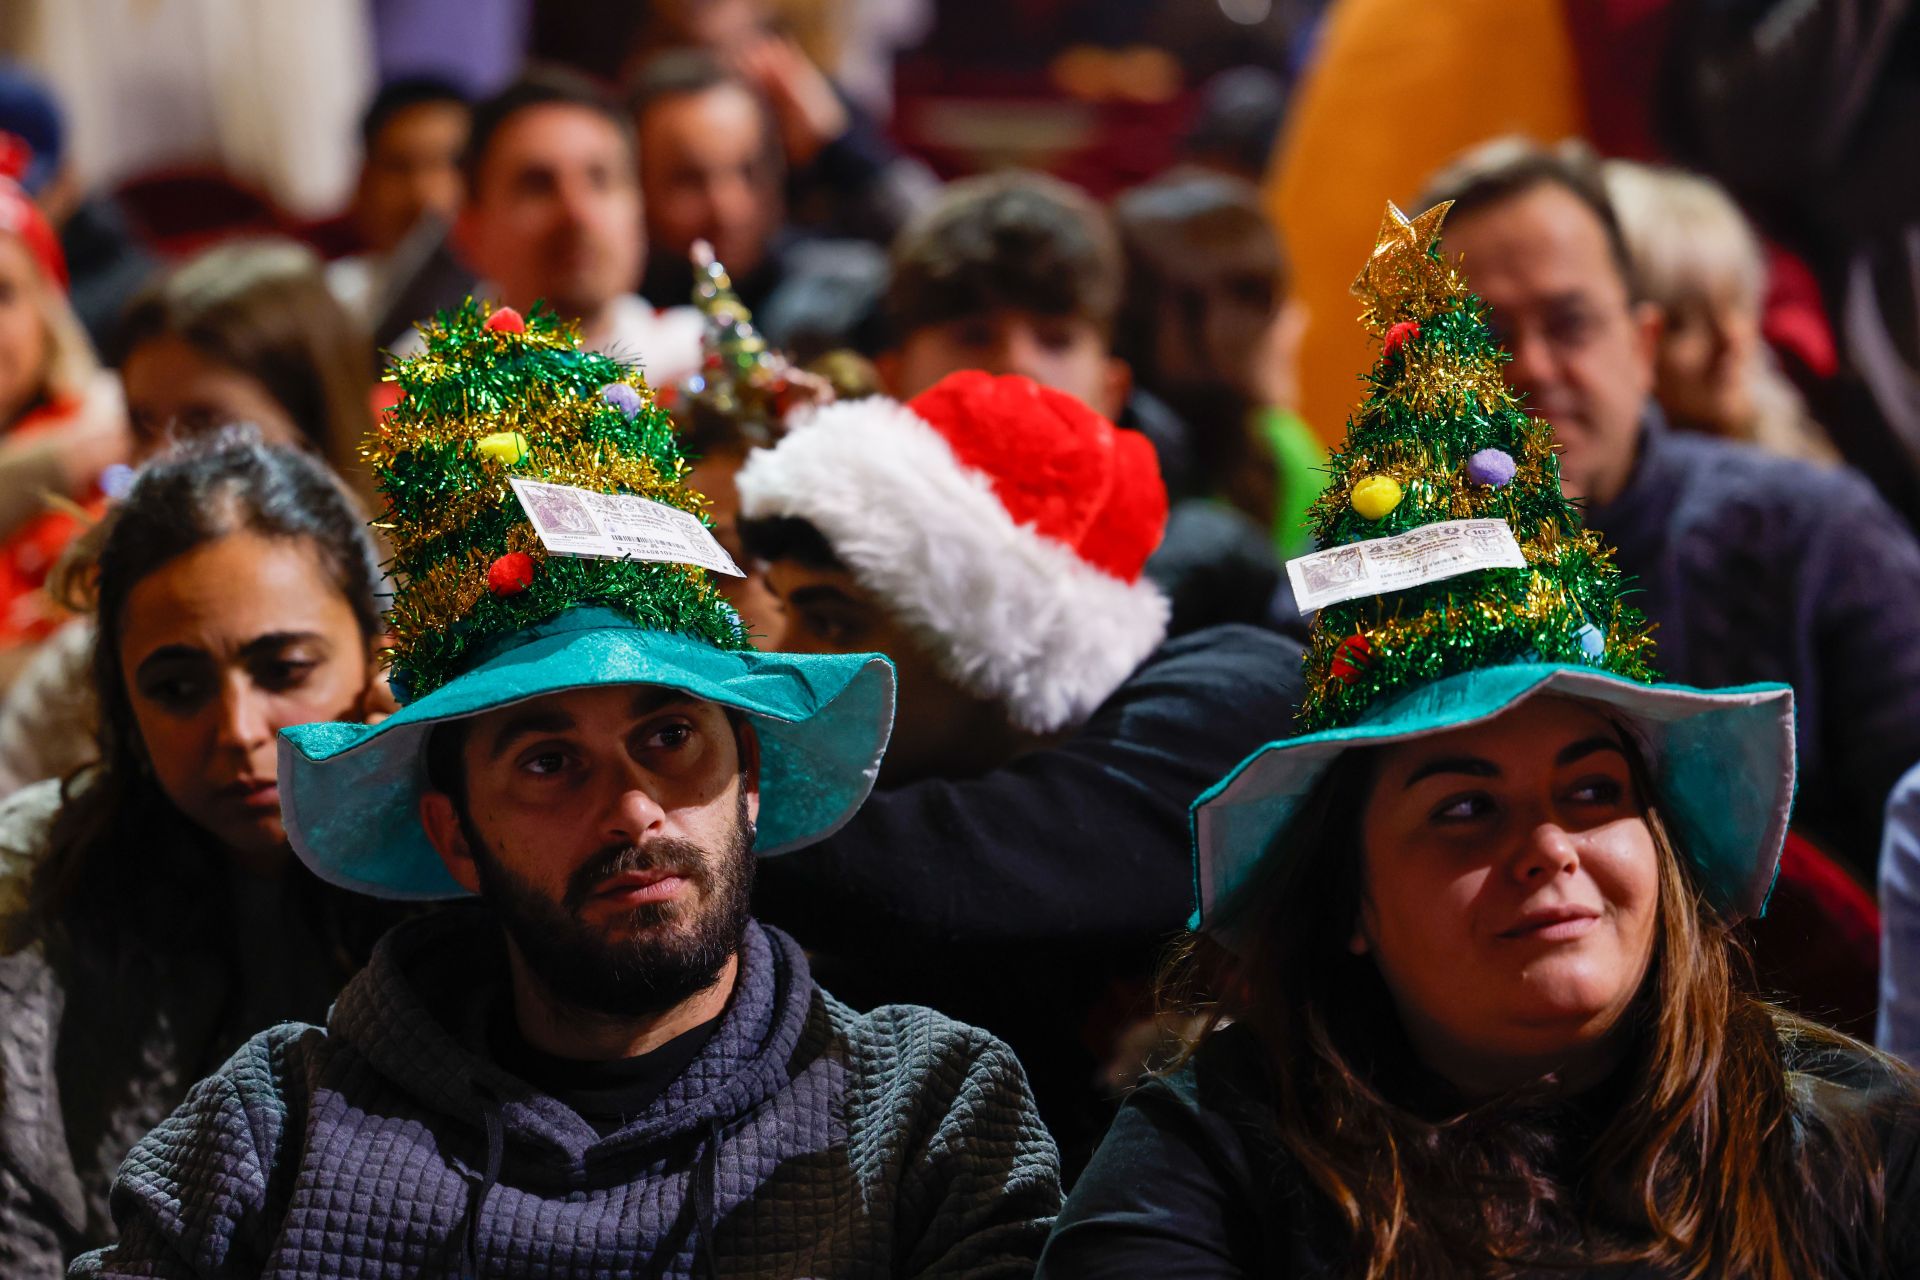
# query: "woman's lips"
(1553, 924)
(253, 794)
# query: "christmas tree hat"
(544, 539)
(1455, 580)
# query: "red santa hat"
(1005, 523)
(20, 216)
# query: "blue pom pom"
(1592, 643)
(622, 397)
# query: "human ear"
(449, 839)
(1116, 386)
(1648, 325)
(747, 742)
(1360, 942)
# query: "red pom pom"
(505, 320)
(1400, 335)
(511, 574)
(1350, 659)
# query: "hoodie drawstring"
(496, 1151)
(704, 1182)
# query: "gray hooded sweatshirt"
(803, 1140)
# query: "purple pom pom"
(117, 480)
(1491, 467)
(622, 397)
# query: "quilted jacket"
(98, 1045)
(804, 1140)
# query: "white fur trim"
(1008, 613)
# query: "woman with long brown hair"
(1469, 996)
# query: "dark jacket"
(1029, 899)
(99, 1042)
(1191, 1183)
(1759, 568)
(803, 1140)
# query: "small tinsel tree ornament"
(1440, 438)
(745, 389)
(490, 399)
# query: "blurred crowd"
(1696, 226)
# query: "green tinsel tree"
(496, 395)
(1440, 437)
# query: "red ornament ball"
(1350, 659)
(511, 574)
(1399, 336)
(505, 320)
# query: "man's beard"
(667, 956)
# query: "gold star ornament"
(1405, 278)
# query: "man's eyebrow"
(520, 725)
(1472, 766)
(1586, 747)
(652, 698)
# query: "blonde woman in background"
(1696, 257)
(245, 332)
(60, 423)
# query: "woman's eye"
(176, 693)
(1606, 791)
(1463, 808)
(284, 675)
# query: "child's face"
(1067, 353)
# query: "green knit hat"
(503, 418)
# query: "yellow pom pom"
(507, 447)
(1375, 496)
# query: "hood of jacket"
(417, 1016)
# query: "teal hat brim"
(350, 793)
(1722, 760)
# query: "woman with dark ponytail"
(151, 915)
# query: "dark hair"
(1005, 241)
(1238, 121)
(112, 812)
(538, 87)
(1205, 279)
(1707, 1165)
(262, 307)
(679, 73)
(1507, 167)
(403, 94)
(788, 538)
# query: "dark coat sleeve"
(1086, 841)
(1862, 573)
(194, 1198)
(1160, 1198)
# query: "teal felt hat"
(1454, 581)
(1722, 762)
(350, 793)
(609, 586)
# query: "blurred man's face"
(412, 168)
(1582, 350)
(555, 212)
(1067, 353)
(707, 170)
(829, 611)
